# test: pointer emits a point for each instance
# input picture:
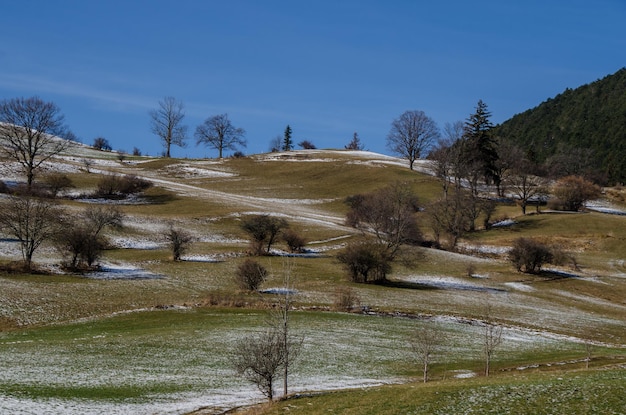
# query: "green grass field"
(154, 336)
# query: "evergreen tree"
(480, 144)
(287, 141)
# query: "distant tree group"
(388, 214)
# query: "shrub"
(179, 242)
(574, 192)
(113, 185)
(346, 299)
(101, 143)
(263, 230)
(528, 255)
(365, 262)
(294, 240)
(250, 275)
(57, 182)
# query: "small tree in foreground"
(492, 337)
(426, 341)
(528, 255)
(250, 275)
(259, 359)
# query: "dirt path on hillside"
(250, 204)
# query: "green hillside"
(591, 117)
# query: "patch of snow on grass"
(504, 223)
(450, 283)
(126, 242)
(520, 286)
(121, 272)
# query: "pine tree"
(287, 141)
(480, 144)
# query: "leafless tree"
(250, 275)
(263, 230)
(575, 191)
(179, 241)
(218, 133)
(31, 221)
(57, 182)
(426, 341)
(29, 133)
(166, 122)
(81, 239)
(450, 217)
(492, 336)
(389, 213)
(411, 135)
(291, 345)
(525, 186)
(259, 358)
(101, 143)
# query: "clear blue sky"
(326, 67)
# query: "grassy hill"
(591, 117)
(146, 334)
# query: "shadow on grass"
(436, 286)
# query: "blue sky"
(326, 68)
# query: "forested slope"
(591, 117)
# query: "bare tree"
(179, 241)
(411, 135)
(389, 213)
(525, 186)
(101, 143)
(81, 240)
(575, 191)
(250, 274)
(259, 358)
(426, 341)
(492, 337)
(263, 230)
(218, 133)
(31, 221)
(451, 217)
(291, 345)
(29, 133)
(167, 123)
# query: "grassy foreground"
(577, 392)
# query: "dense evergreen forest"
(586, 125)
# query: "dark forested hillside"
(587, 120)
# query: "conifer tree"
(287, 141)
(480, 145)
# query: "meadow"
(150, 335)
